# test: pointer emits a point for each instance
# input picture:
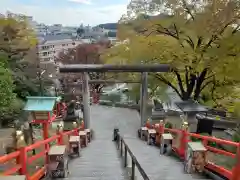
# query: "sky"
(68, 12)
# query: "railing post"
(133, 169)
(236, 168)
(121, 147)
(60, 140)
(125, 155)
(184, 139)
(59, 132)
(22, 160)
(161, 128)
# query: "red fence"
(183, 137)
(22, 158)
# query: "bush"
(212, 144)
(168, 125)
(11, 113)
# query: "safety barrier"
(22, 158)
(183, 137)
(124, 149)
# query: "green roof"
(35, 103)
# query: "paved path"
(100, 161)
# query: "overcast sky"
(68, 12)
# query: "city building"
(50, 46)
(2, 15)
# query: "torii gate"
(141, 68)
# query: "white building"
(19, 16)
(2, 15)
(50, 46)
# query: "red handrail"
(22, 159)
(230, 174)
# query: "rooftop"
(191, 106)
(57, 37)
(39, 103)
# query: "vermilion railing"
(184, 137)
(22, 160)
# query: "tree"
(6, 87)
(82, 54)
(18, 43)
(201, 42)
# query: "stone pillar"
(144, 98)
(86, 101)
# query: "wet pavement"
(101, 161)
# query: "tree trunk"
(200, 81)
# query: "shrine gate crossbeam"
(140, 68)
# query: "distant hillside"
(112, 26)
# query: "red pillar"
(22, 160)
(236, 168)
(183, 144)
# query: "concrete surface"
(101, 159)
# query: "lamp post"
(40, 81)
(40, 74)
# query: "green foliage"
(113, 97)
(168, 125)
(6, 85)
(18, 67)
(213, 144)
(199, 40)
(7, 97)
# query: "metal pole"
(144, 98)
(41, 85)
(86, 100)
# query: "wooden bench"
(58, 162)
(83, 139)
(166, 143)
(144, 131)
(74, 145)
(196, 158)
(151, 138)
(88, 132)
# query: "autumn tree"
(200, 40)
(18, 42)
(82, 54)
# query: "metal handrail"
(120, 142)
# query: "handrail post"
(22, 160)
(60, 139)
(133, 169)
(59, 132)
(161, 128)
(236, 168)
(121, 147)
(125, 155)
(183, 143)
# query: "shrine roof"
(39, 103)
(191, 106)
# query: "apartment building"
(51, 45)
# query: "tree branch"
(180, 83)
(188, 10)
(206, 84)
(165, 81)
(200, 80)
